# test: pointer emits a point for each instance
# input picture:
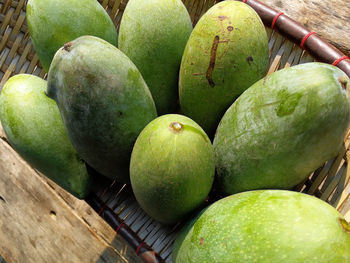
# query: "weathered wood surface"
(39, 222)
(329, 19)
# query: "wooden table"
(39, 222)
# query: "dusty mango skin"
(33, 126)
(269, 226)
(226, 53)
(283, 128)
(153, 34)
(103, 100)
(172, 168)
(52, 23)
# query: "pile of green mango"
(185, 114)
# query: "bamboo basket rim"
(324, 182)
(300, 35)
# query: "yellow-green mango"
(226, 53)
(265, 226)
(153, 34)
(172, 168)
(52, 23)
(34, 128)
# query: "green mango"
(266, 226)
(181, 235)
(52, 23)
(172, 168)
(103, 100)
(34, 128)
(153, 34)
(227, 52)
(283, 128)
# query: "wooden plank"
(95, 222)
(38, 225)
(330, 19)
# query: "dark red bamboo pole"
(320, 49)
(144, 251)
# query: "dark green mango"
(266, 226)
(226, 53)
(52, 23)
(33, 126)
(103, 100)
(153, 34)
(172, 168)
(283, 128)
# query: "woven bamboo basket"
(289, 44)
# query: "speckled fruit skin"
(226, 53)
(181, 235)
(171, 170)
(34, 128)
(153, 34)
(282, 128)
(104, 103)
(266, 226)
(52, 23)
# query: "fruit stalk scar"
(344, 224)
(344, 82)
(67, 46)
(176, 126)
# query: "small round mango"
(172, 168)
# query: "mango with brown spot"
(226, 53)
